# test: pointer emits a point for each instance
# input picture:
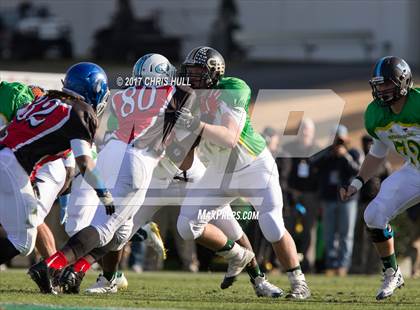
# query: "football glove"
(186, 120)
(106, 199)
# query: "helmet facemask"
(100, 107)
(200, 76)
(387, 96)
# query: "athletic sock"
(109, 275)
(390, 261)
(82, 265)
(228, 246)
(294, 269)
(254, 272)
(139, 236)
(57, 260)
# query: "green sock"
(254, 272)
(118, 274)
(109, 275)
(228, 246)
(390, 262)
(294, 269)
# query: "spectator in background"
(338, 164)
(136, 258)
(303, 193)
(365, 260)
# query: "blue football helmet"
(88, 81)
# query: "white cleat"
(237, 257)
(299, 287)
(154, 239)
(263, 288)
(121, 281)
(103, 286)
(391, 280)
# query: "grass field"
(201, 291)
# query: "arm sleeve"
(81, 148)
(69, 161)
(378, 149)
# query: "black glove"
(186, 120)
(106, 198)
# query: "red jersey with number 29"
(42, 130)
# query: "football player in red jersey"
(52, 125)
(146, 116)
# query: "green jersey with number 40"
(235, 99)
(400, 132)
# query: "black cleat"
(44, 277)
(70, 280)
(227, 282)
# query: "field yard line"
(23, 306)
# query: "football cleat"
(263, 288)
(121, 281)
(70, 280)
(45, 277)
(227, 282)
(299, 287)
(237, 257)
(154, 239)
(103, 286)
(392, 279)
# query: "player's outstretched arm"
(87, 167)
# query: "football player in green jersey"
(13, 96)
(393, 121)
(240, 165)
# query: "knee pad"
(380, 235)
(373, 216)
(105, 235)
(122, 236)
(272, 225)
(189, 229)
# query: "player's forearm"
(220, 135)
(370, 167)
(89, 172)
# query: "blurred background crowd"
(271, 45)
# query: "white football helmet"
(153, 66)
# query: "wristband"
(104, 196)
(357, 183)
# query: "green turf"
(201, 291)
